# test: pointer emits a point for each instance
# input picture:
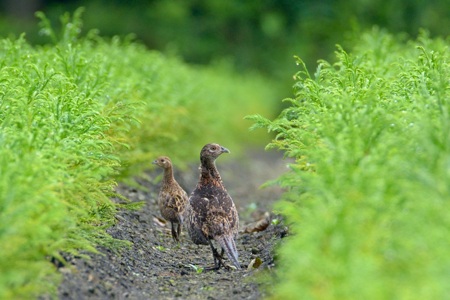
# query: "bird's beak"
(154, 162)
(224, 150)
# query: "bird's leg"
(174, 233)
(179, 230)
(223, 264)
(217, 258)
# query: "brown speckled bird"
(211, 213)
(172, 199)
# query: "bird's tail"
(227, 243)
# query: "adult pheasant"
(211, 213)
(172, 199)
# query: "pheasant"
(211, 213)
(172, 198)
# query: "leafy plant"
(160, 248)
(197, 269)
(368, 193)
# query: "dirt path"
(155, 267)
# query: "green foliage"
(55, 162)
(368, 194)
(77, 115)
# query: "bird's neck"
(209, 172)
(168, 175)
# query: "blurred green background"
(261, 35)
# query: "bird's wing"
(177, 200)
(221, 215)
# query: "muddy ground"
(156, 267)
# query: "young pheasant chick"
(172, 198)
(211, 213)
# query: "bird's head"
(163, 162)
(213, 151)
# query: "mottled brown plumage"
(211, 213)
(172, 199)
